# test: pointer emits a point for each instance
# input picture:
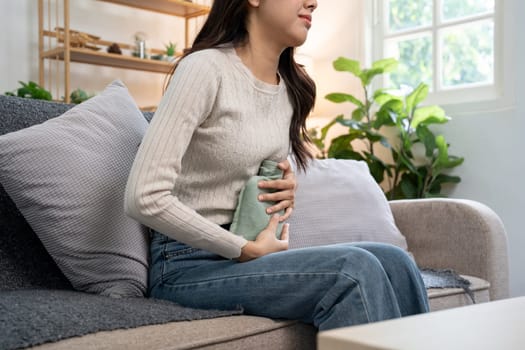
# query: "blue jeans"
(329, 286)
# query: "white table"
(488, 326)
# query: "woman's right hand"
(266, 242)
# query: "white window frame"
(464, 99)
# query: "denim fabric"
(329, 287)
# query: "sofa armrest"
(462, 235)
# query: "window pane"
(456, 9)
(468, 54)
(408, 14)
(415, 60)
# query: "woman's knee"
(359, 264)
(386, 252)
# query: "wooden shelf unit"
(178, 8)
(63, 51)
(81, 55)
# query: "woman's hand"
(284, 195)
(266, 242)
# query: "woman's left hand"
(284, 194)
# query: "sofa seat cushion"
(446, 298)
(36, 316)
(233, 332)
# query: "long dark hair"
(226, 23)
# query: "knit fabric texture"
(213, 128)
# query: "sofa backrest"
(24, 262)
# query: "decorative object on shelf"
(31, 90)
(171, 49)
(140, 45)
(78, 39)
(420, 159)
(78, 96)
(114, 48)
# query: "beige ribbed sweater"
(213, 128)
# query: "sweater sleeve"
(149, 196)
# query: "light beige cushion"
(228, 333)
(338, 201)
(446, 298)
(67, 178)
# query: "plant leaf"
(367, 75)
(388, 113)
(443, 178)
(343, 64)
(339, 97)
(341, 148)
(358, 114)
(377, 167)
(353, 124)
(429, 115)
(443, 160)
(427, 138)
(387, 65)
(408, 187)
(382, 96)
(416, 97)
(326, 128)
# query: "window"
(449, 44)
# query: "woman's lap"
(294, 284)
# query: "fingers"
(273, 223)
(285, 234)
(285, 166)
(266, 242)
(287, 195)
(287, 214)
(279, 207)
(281, 184)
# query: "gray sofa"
(441, 233)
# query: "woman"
(236, 98)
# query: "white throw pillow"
(67, 177)
(338, 201)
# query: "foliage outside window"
(447, 44)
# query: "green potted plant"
(78, 96)
(405, 174)
(171, 49)
(31, 90)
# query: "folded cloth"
(250, 216)
(446, 278)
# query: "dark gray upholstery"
(24, 263)
(37, 298)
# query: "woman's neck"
(262, 61)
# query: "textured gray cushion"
(67, 177)
(31, 317)
(338, 201)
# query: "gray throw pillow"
(67, 177)
(338, 201)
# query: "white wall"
(491, 141)
(493, 145)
